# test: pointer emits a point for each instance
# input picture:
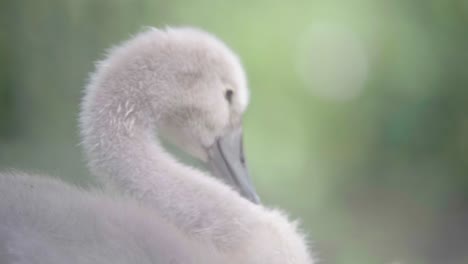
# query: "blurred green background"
(358, 120)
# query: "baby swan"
(185, 85)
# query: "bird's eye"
(228, 95)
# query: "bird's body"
(187, 86)
(46, 221)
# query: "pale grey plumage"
(45, 221)
(168, 83)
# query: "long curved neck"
(124, 153)
(119, 142)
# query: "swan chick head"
(196, 91)
(208, 91)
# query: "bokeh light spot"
(332, 62)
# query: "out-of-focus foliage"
(358, 122)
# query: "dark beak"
(226, 160)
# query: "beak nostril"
(242, 157)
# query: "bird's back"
(43, 220)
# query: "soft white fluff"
(45, 221)
(169, 83)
